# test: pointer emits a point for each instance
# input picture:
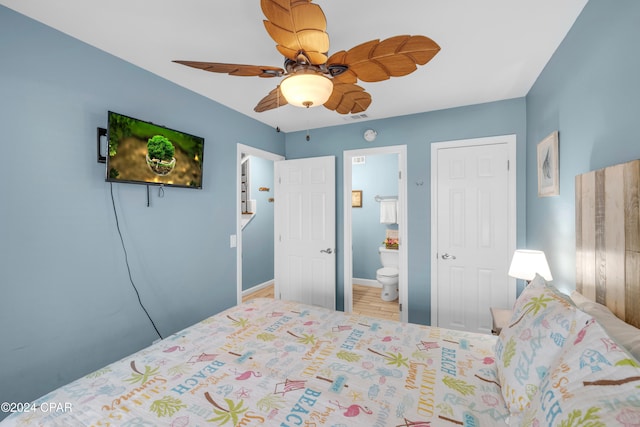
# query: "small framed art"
(356, 199)
(548, 166)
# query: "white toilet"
(387, 276)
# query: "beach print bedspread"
(269, 362)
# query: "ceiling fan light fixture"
(306, 89)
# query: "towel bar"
(381, 198)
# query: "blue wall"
(66, 304)
(417, 131)
(589, 92)
(66, 301)
(377, 176)
(257, 236)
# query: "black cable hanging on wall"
(126, 260)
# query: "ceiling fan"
(311, 78)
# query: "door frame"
(348, 155)
(510, 140)
(251, 151)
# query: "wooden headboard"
(608, 238)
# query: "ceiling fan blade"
(297, 25)
(348, 99)
(235, 69)
(377, 60)
(271, 101)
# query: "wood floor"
(366, 301)
(262, 293)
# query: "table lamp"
(526, 263)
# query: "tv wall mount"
(102, 133)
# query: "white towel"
(388, 211)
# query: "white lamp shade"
(306, 89)
(526, 263)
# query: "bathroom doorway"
(361, 258)
(254, 209)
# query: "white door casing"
(473, 231)
(252, 151)
(403, 280)
(305, 253)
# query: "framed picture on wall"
(548, 166)
(356, 199)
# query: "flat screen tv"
(144, 153)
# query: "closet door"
(472, 248)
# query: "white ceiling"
(490, 49)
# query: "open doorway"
(254, 220)
(364, 259)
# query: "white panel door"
(472, 235)
(305, 259)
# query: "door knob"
(448, 256)
(326, 251)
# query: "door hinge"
(508, 165)
(400, 175)
(400, 307)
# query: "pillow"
(578, 298)
(542, 320)
(592, 383)
(538, 282)
(624, 334)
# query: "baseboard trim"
(366, 282)
(258, 287)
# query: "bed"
(272, 362)
(282, 363)
(561, 361)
